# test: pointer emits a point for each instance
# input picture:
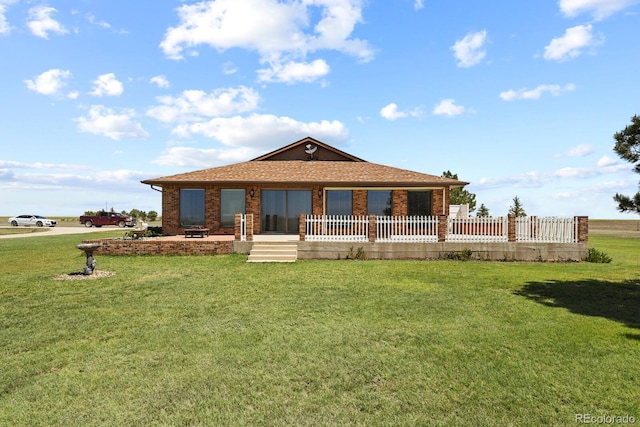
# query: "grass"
(217, 341)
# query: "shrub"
(359, 254)
(464, 255)
(594, 255)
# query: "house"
(305, 177)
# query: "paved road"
(58, 230)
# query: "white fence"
(478, 229)
(412, 229)
(337, 228)
(546, 229)
(406, 229)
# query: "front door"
(281, 210)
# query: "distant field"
(617, 227)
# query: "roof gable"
(300, 164)
(308, 149)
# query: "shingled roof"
(280, 167)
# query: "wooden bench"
(193, 232)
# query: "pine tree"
(460, 196)
(628, 148)
(483, 211)
(517, 209)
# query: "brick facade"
(171, 205)
(359, 204)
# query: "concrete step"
(273, 252)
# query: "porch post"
(237, 227)
(442, 228)
(373, 233)
(249, 225)
(302, 227)
(583, 229)
(511, 228)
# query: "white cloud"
(228, 68)
(448, 107)
(104, 121)
(39, 165)
(604, 166)
(5, 28)
(263, 130)
(390, 112)
(554, 90)
(606, 162)
(103, 24)
(107, 84)
(50, 82)
(293, 72)
(160, 81)
(287, 36)
(194, 105)
(469, 51)
(572, 43)
(247, 137)
(418, 4)
(92, 20)
(204, 158)
(599, 9)
(41, 23)
(577, 151)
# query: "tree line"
(136, 213)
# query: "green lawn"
(216, 341)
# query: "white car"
(37, 220)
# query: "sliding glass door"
(281, 210)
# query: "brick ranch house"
(305, 177)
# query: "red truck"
(107, 218)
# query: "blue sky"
(518, 98)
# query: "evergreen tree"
(483, 211)
(460, 196)
(517, 209)
(628, 148)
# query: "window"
(419, 203)
(231, 203)
(191, 207)
(339, 202)
(379, 202)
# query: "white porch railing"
(477, 229)
(347, 228)
(406, 229)
(337, 228)
(546, 229)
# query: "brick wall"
(359, 204)
(317, 201)
(162, 247)
(170, 209)
(399, 202)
